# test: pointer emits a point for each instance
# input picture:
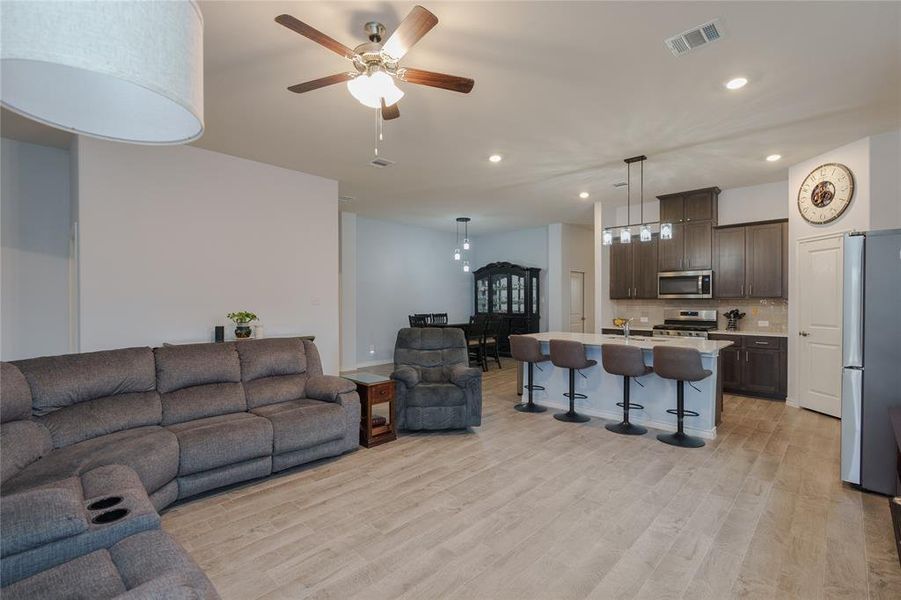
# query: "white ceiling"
(564, 91)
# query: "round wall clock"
(826, 193)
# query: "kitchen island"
(604, 390)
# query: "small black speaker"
(220, 333)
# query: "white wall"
(36, 224)
(525, 247)
(403, 270)
(753, 203)
(172, 238)
(348, 285)
(570, 248)
(876, 163)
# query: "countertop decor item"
(122, 71)
(826, 193)
(733, 316)
(242, 320)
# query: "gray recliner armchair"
(436, 388)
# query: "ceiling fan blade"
(321, 82)
(315, 35)
(390, 112)
(438, 80)
(411, 29)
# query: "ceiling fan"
(375, 64)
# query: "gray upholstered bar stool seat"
(627, 361)
(528, 350)
(568, 354)
(681, 364)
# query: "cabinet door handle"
(742, 293)
(747, 356)
(750, 289)
(762, 343)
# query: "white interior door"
(820, 308)
(577, 302)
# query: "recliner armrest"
(406, 375)
(461, 375)
(328, 387)
(37, 517)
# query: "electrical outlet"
(763, 323)
(372, 348)
(315, 301)
(643, 319)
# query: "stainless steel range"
(686, 322)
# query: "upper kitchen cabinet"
(685, 207)
(633, 270)
(750, 261)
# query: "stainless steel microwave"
(685, 284)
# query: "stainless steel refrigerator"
(871, 357)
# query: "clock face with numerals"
(826, 193)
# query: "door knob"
(803, 333)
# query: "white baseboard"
(617, 416)
(792, 402)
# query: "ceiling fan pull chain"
(378, 118)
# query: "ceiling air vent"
(381, 163)
(695, 37)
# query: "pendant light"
(123, 71)
(458, 255)
(644, 227)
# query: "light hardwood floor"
(529, 507)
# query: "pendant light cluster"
(458, 254)
(644, 232)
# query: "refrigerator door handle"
(852, 300)
(852, 449)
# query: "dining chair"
(439, 319)
(491, 342)
(419, 320)
(475, 340)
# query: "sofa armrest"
(406, 375)
(461, 375)
(37, 517)
(328, 387)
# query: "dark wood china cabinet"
(511, 294)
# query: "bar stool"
(568, 354)
(681, 364)
(628, 362)
(528, 350)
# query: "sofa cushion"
(430, 350)
(142, 566)
(270, 357)
(102, 416)
(21, 443)
(299, 424)
(60, 381)
(151, 451)
(198, 381)
(435, 394)
(270, 390)
(40, 516)
(221, 440)
(15, 395)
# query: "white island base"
(604, 389)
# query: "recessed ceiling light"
(584, 195)
(773, 157)
(495, 158)
(737, 83)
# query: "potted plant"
(733, 317)
(242, 320)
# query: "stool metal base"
(680, 439)
(572, 417)
(530, 408)
(626, 428)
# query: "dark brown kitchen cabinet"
(694, 205)
(764, 260)
(697, 248)
(633, 269)
(729, 262)
(669, 252)
(750, 261)
(754, 365)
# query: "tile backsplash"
(764, 314)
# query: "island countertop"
(704, 346)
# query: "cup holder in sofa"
(110, 516)
(103, 503)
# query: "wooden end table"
(376, 422)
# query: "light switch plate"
(763, 323)
(643, 319)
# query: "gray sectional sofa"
(149, 427)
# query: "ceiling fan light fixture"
(369, 89)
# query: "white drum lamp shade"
(130, 71)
